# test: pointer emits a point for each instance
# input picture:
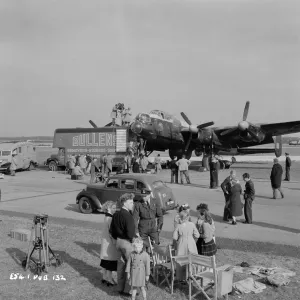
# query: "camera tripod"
(40, 239)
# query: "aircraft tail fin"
(278, 145)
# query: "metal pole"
(43, 246)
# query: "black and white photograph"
(150, 149)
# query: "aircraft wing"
(270, 129)
(281, 128)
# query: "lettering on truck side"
(92, 139)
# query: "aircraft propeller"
(244, 125)
(93, 124)
(193, 128)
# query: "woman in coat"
(108, 254)
(235, 203)
(184, 236)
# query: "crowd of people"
(125, 240)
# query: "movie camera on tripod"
(40, 239)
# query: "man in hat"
(148, 218)
(288, 164)
(249, 195)
(226, 187)
(174, 170)
(276, 177)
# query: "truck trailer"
(94, 142)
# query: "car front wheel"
(85, 205)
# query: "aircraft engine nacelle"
(205, 136)
(198, 153)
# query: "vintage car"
(92, 198)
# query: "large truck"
(94, 142)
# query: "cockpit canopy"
(144, 118)
(162, 115)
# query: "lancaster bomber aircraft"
(160, 131)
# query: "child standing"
(138, 268)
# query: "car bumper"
(4, 168)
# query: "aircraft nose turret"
(136, 127)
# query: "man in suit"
(226, 188)
(214, 170)
(249, 195)
(122, 229)
(276, 178)
(288, 164)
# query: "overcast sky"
(65, 62)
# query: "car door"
(19, 158)
(110, 192)
(128, 186)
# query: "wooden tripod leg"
(43, 248)
(47, 249)
(29, 243)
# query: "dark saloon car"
(92, 198)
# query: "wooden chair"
(217, 276)
(153, 260)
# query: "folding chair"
(153, 259)
(217, 274)
(203, 261)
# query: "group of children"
(198, 238)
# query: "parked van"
(25, 156)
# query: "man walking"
(288, 164)
(13, 165)
(143, 163)
(249, 195)
(174, 170)
(148, 218)
(183, 165)
(213, 169)
(226, 187)
(276, 177)
(122, 229)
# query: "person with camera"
(148, 218)
(249, 195)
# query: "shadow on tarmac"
(72, 207)
(88, 271)
(91, 248)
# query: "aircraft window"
(5, 153)
(127, 184)
(112, 183)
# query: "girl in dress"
(183, 207)
(185, 235)
(108, 254)
(206, 227)
(138, 268)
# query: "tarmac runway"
(53, 193)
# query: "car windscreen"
(5, 153)
(158, 184)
